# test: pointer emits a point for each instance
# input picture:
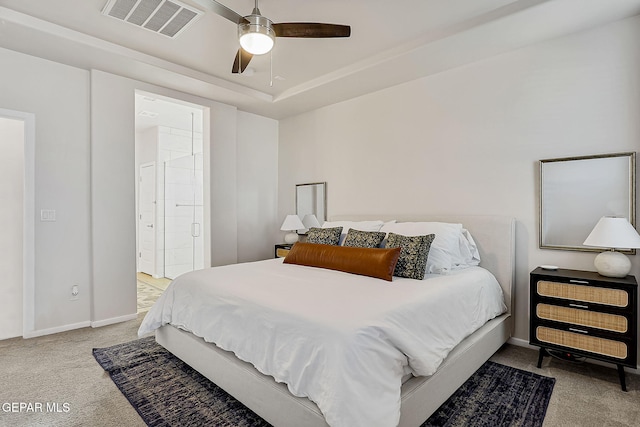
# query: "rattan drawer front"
(281, 253)
(588, 343)
(592, 319)
(613, 297)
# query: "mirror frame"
(321, 214)
(573, 175)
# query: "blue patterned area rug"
(167, 392)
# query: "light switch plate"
(47, 215)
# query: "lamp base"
(291, 238)
(612, 264)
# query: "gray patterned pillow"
(364, 239)
(324, 236)
(413, 254)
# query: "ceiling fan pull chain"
(270, 67)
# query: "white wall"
(113, 173)
(223, 197)
(112, 104)
(12, 170)
(85, 170)
(257, 187)
(147, 145)
(58, 95)
(469, 140)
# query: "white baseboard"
(57, 329)
(85, 324)
(111, 321)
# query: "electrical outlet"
(74, 293)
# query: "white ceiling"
(390, 43)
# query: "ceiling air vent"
(160, 16)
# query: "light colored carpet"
(585, 394)
(61, 369)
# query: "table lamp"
(291, 223)
(310, 221)
(613, 233)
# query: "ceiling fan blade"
(221, 10)
(311, 30)
(242, 58)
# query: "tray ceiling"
(391, 43)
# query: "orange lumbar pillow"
(373, 262)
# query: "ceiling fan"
(257, 33)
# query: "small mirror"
(311, 199)
(575, 192)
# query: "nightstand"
(577, 314)
(282, 250)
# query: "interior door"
(146, 219)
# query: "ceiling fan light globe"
(256, 36)
(256, 43)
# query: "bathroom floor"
(149, 290)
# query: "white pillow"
(445, 249)
(357, 225)
(469, 255)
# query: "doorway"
(147, 218)
(11, 214)
(169, 191)
(17, 138)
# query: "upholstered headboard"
(494, 235)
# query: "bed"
(418, 396)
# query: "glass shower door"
(184, 215)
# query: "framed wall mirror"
(311, 199)
(575, 192)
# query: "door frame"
(28, 219)
(155, 216)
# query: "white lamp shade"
(310, 220)
(612, 232)
(292, 222)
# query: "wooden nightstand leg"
(541, 355)
(623, 382)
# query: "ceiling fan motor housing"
(257, 35)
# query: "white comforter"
(342, 340)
